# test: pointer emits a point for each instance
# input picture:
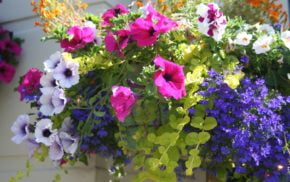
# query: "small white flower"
(266, 28)
(56, 150)
(288, 75)
(243, 38)
(281, 60)
(44, 132)
(66, 73)
(20, 129)
(52, 62)
(47, 80)
(262, 44)
(52, 101)
(285, 36)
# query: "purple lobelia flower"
(20, 129)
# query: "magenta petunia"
(122, 101)
(81, 36)
(119, 9)
(146, 30)
(30, 84)
(169, 79)
(117, 42)
(7, 72)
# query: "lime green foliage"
(20, 175)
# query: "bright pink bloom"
(117, 44)
(7, 72)
(146, 30)
(81, 36)
(122, 101)
(119, 9)
(30, 84)
(169, 79)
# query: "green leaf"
(203, 137)
(164, 159)
(57, 178)
(193, 161)
(197, 122)
(167, 139)
(192, 138)
(151, 137)
(152, 163)
(209, 123)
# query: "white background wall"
(16, 16)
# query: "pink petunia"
(147, 30)
(122, 101)
(30, 83)
(7, 72)
(119, 9)
(81, 36)
(169, 79)
(119, 43)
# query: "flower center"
(68, 73)
(117, 11)
(264, 46)
(53, 83)
(46, 133)
(167, 77)
(2, 70)
(23, 129)
(151, 31)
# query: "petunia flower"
(47, 81)
(44, 132)
(20, 129)
(266, 29)
(285, 36)
(211, 21)
(52, 101)
(122, 101)
(7, 72)
(66, 73)
(119, 43)
(51, 63)
(30, 84)
(80, 37)
(119, 9)
(169, 79)
(146, 30)
(69, 143)
(243, 38)
(262, 44)
(56, 151)
(32, 146)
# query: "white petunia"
(44, 132)
(266, 28)
(70, 143)
(66, 73)
(52, 62)
(56, 151)
(285, 36)
(262, 44)
(243, 38)
(52, 101)
(47, 80)
(20, 129)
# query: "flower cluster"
(9, 50)
(134, 85)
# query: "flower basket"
(170, 94)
